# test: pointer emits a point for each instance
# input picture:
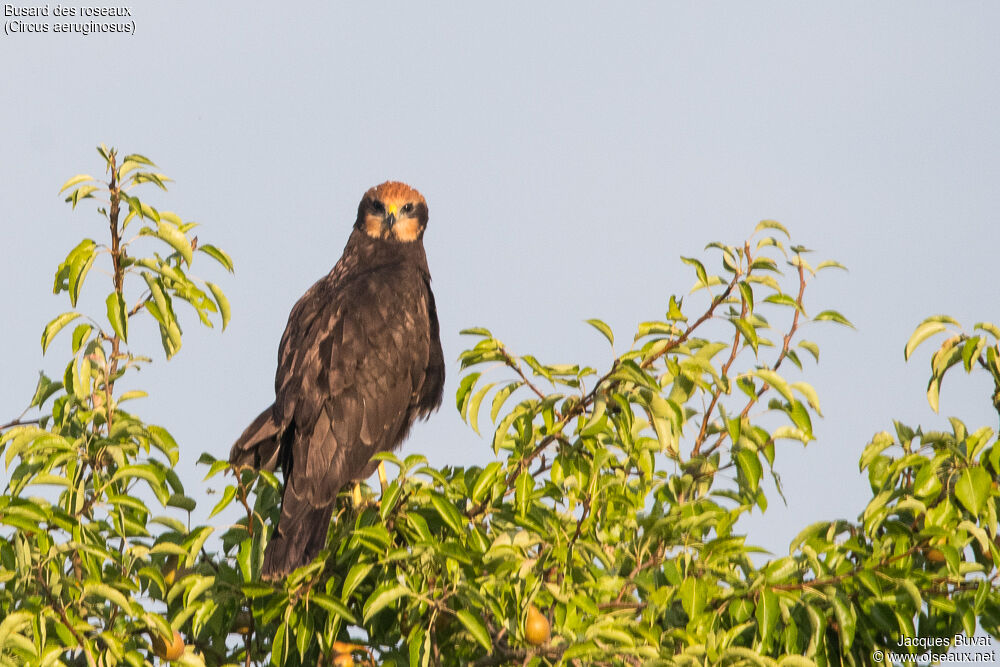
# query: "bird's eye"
(407, 208)
(378, 206)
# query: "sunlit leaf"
(603, 328)
(117, 316)
(833, 316)
(76, 180)
(222, 301)
(973, 488)
(475, 627)
(771, 224)
(920, 334)
(382, 597)
(55, 326)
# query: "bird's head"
(393, 211)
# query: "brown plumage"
(359, 362)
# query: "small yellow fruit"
(346, 647)
(343, 660)
(536, 628)
(934, 556)
(171, 652)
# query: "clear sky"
(570, 152)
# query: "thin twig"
(18, 422)
(725, 368)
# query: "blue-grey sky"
(569, 152)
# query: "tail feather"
(258, 447)
(300, 535)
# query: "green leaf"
(117, 316)
(780, 385)
(181, 501)
(989, 328)
(522, 491)
(501, 397)
(148, 177)
(485, 481)
(810, 347)
(747, 331)
(746, 292)
(82, 192)
(926, 485)
(81, 334)
(333, 606)
(973, 489)
(472, 410)
(847, 619)
(476, 628)
(765, 264)
(767, 614)
(800, 417)
(971, 350)
(782, 300)
(833, 316)
(46, 387)
(462, 394)
(164, 442)
(222, 301)
(771, 224)
(750, 468)
(177, 239)
(603, 328)
(147, 472)
(382, 597)
(108, 593)
(218, 255)
(136, 157)
(11, 624)
(476, 331)
(934, 392)
(699, 269)
(82, 259)
(355, 576)
(809, 393)
(55, 326)
(693, 597)
(76, 180)
(830, 264)
(418, 648)
(674, 309)
(924, 331)
(227, 497)
(448, 513)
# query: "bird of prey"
(359, 362)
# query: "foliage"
(82, 564)
(610, 507)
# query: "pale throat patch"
(406, 229)
(373, 226)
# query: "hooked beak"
(390, 218)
